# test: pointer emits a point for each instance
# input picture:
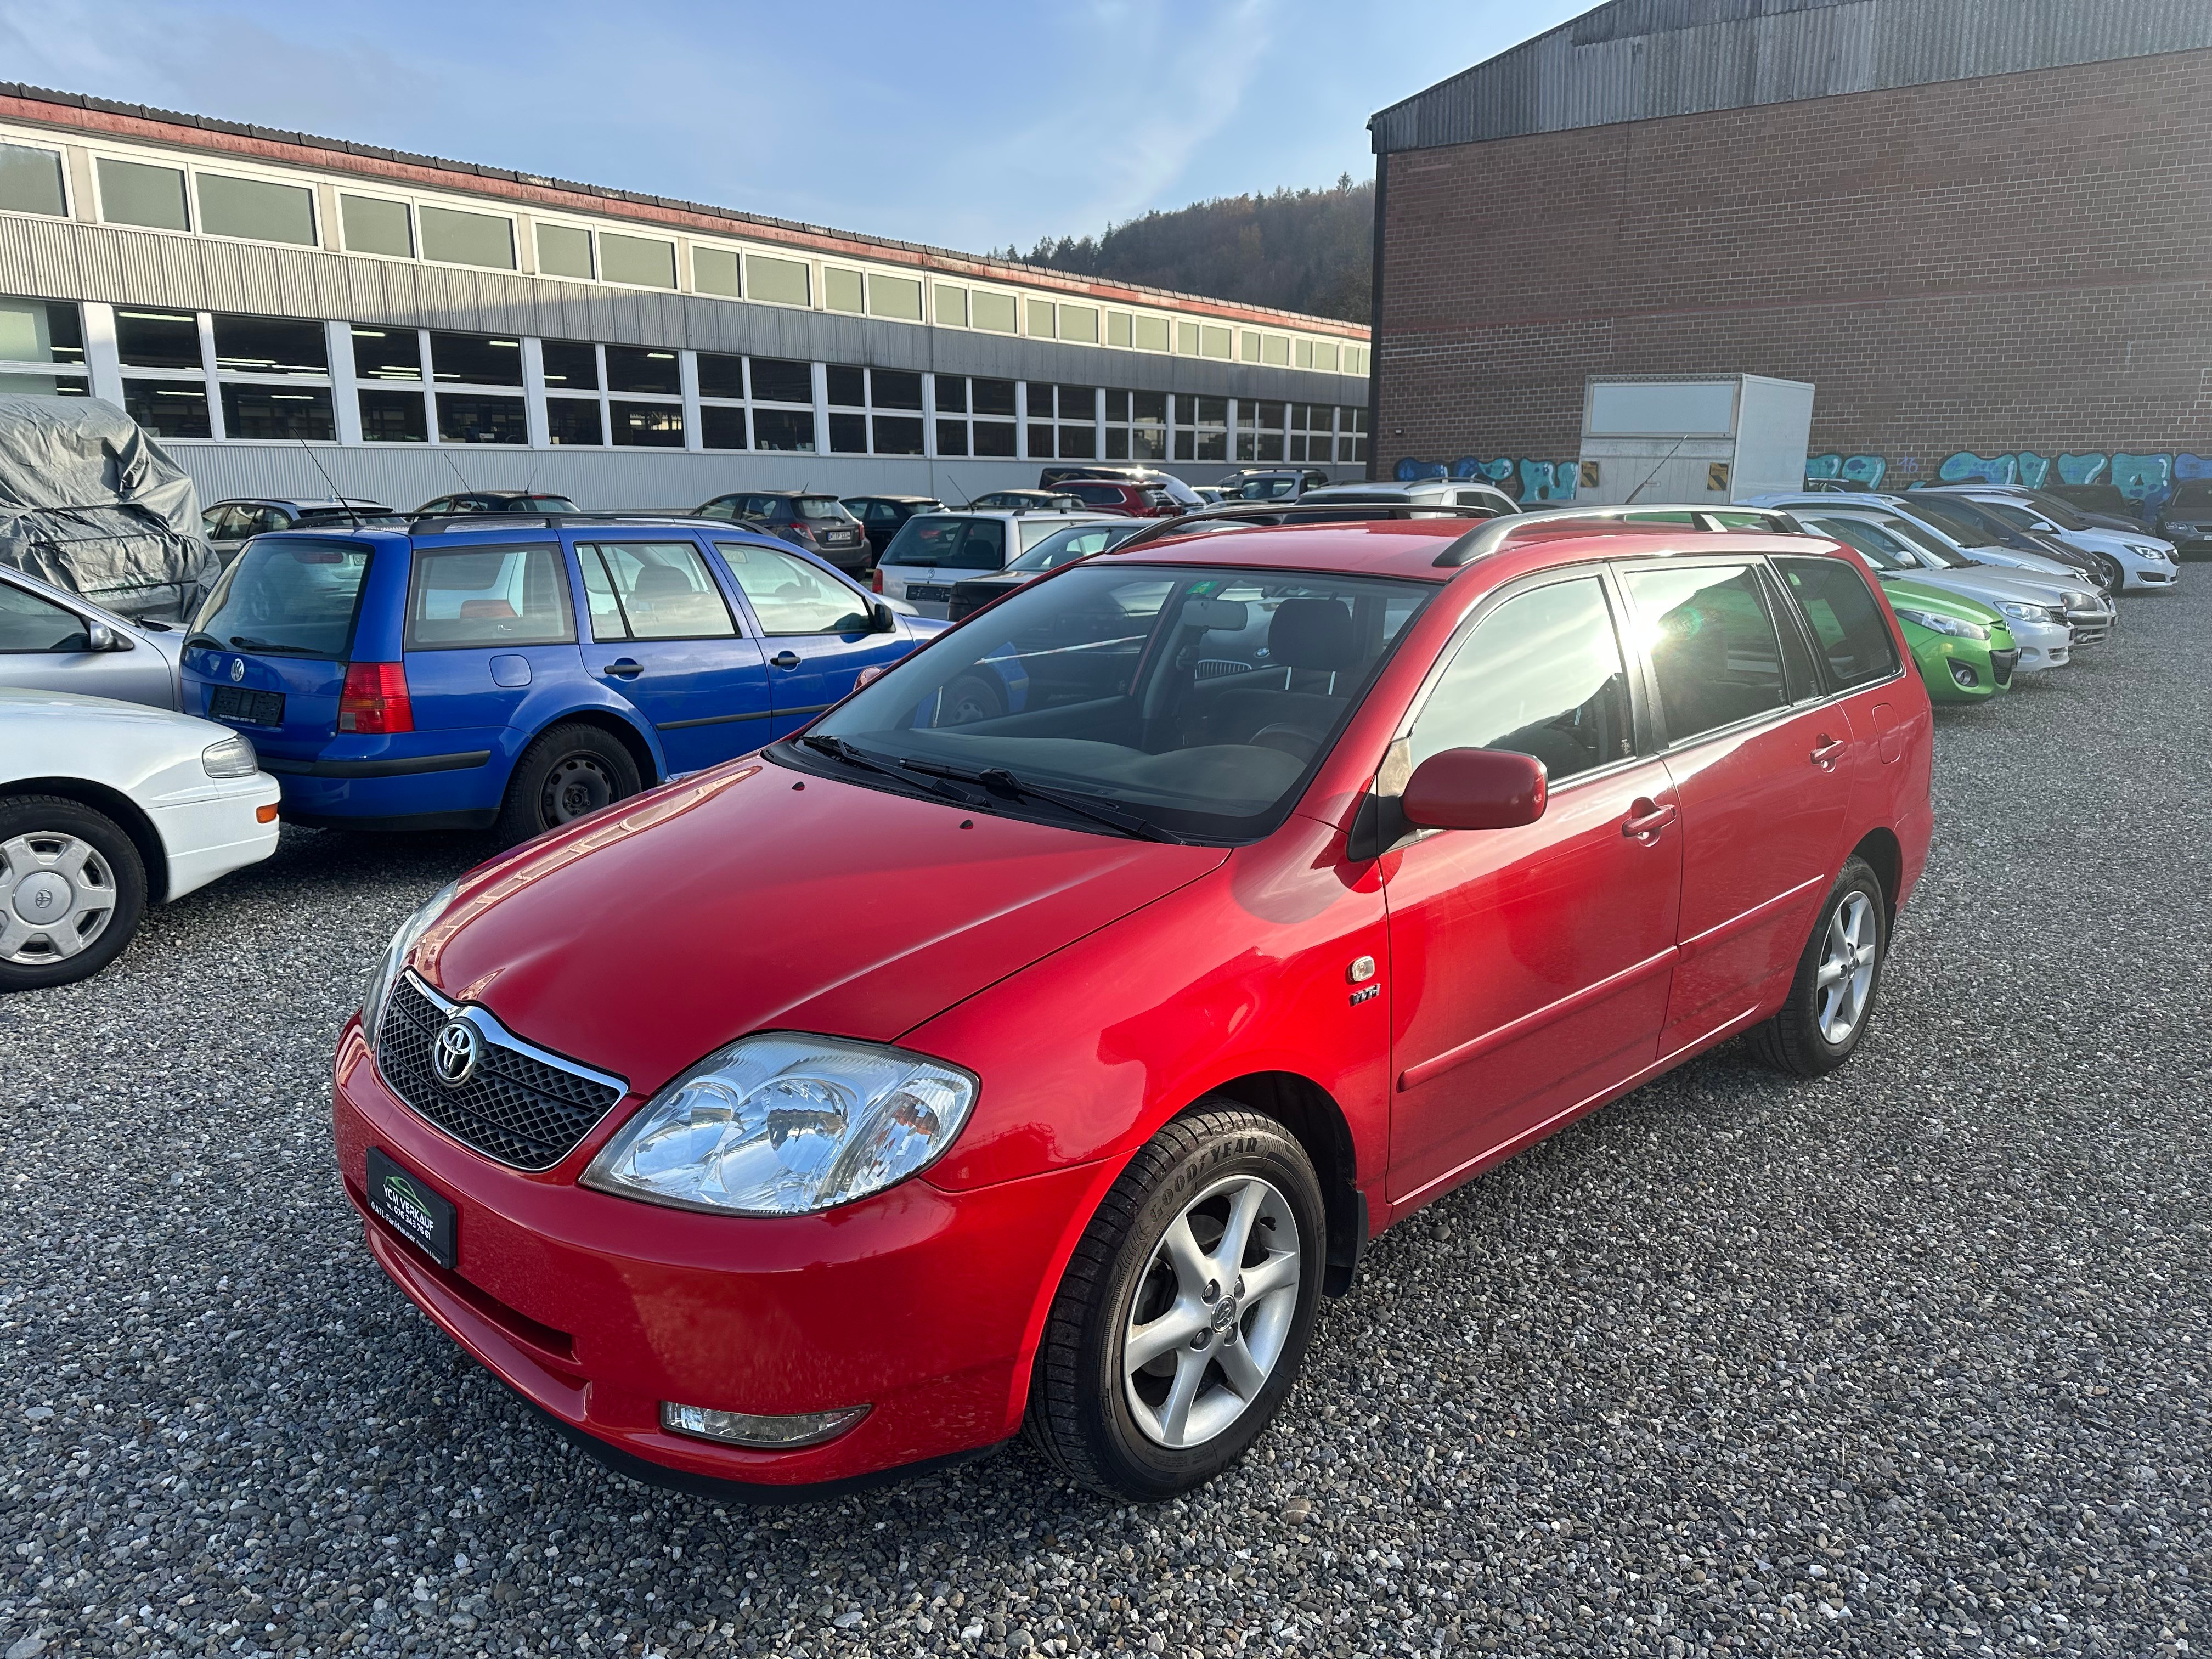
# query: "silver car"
(53, 640)
(227, 524)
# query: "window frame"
(1778, 582)
(61, 159)
(785, 550)
(715, 580)
(416, 563)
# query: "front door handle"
(1646, 818)
(1829, 752)
(624, 668)
(784, 659)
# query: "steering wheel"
(1287, 739)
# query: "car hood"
(755, 897)
(1914, 594)
(1993, 585)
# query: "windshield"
(818, 506)
(296, 596)
(1875, 544)
(1266, 489)
(1926, 541)
(2012, 514)
(1955, 520)
(1199, 699)
(2193, 493)
(2063, 513)
(1067, 546)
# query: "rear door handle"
(624, 668)
(1646, 818)
(1829, 752)
(784, 659)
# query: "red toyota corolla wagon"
(1034, 1040)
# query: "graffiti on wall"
(2146, 480)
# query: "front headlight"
(784, 1123)
(2021, 611)
(2143, 550)
(395, 957)
(1935, 624)
(234, 757)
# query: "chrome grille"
(525, 1106)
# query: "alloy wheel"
(1844, 981)
(57, 897)
(1213, 1311)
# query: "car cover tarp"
(90, 503)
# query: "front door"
(818, 633)
(44, 646)
(663, 639)
(1530, 967)
(1761, 764)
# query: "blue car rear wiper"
(247, 642)
(1000, 781)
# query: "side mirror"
(882, 619)
(1475, 789)
(99, 636)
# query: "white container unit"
(1703, 439)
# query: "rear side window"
(819, 507)
(1713, 646)
(295, 596)
(984, 544)
(791, 596)
(1845, 619)
(28, 622)
(488, 596)
(653, 591)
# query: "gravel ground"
(1908, 1361)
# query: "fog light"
(745, 1429)
(1964, 677)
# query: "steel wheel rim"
(1211, 1313)
(970, 705)
(578, 784)
(57, 895)
(1844, 981)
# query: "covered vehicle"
(92, 505)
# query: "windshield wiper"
(193, 641)
(999, 781)
(247, 642)
(838, 749)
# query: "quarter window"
(487, 596)
(1712, 644)
(653, 591)
(1846, 620)
(790, 596)
(1540, 676)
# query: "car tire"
(1819, 1026)
(1119, 1431)
(570, 770)
(2114, 573)
(970, 698)
(96, 885)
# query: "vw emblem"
(453, 1053)
(237, 669)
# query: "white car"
(105, 808)
(2135, 558)
(2035, 617)
(2089, 613)
(933, 550)
(1422, 492)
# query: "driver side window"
(1542, 675)
(789, 595)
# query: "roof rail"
(1262, 513)
(440, 522)
(1481, 543)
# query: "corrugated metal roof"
(1634, 60)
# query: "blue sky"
(967, 124)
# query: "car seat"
(1314, 644)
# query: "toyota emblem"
(237, 669)
(453, 1053)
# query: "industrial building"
(278, 307)
(1981, 228)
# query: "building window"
(473, 418)
(1259, 430)
(1310, 430)
(638, 261)
(273, 412)
(895, 296)
(1352, 434)
(1355, 360)
(1152, 334)
(776, 282)
(374, 225)
(393, 417)
(564, 250)
(158, 339)
(132, 193)
(1119, 330)
(1325, 355)
(1185, 339)
(783, 429)
(780, 381)
(570, 365)
(386, 354)
(721, 427)
(715, 270)
(476, 360)
(1275, 350)
(168, 409)
(41, 348)
(950, 306)
(643, 368)
(573, 421)
(722, 377)
(1213, 342)
(647, 426)
(1202, 428)
(270, 345)
(1073, 433)
(31, 180)
(256, 209)
(841, 289)
(1079, 324)
(454, 238)
(991, 312)
(172, 402)
(1040, 319)
(1136, 426)
(776, 380)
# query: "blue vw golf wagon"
(475, 673)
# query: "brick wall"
(2019, 262)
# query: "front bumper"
(215, 834)
(921, 1303)
(2043, 646)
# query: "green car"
(1964, 651)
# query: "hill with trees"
(1301, 250)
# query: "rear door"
(1761, 760)
(269, 655)
(485, 622)
(662, 636)
(816, 630)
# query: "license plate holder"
(918, 593)
(236, 702)
(405, 1202)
